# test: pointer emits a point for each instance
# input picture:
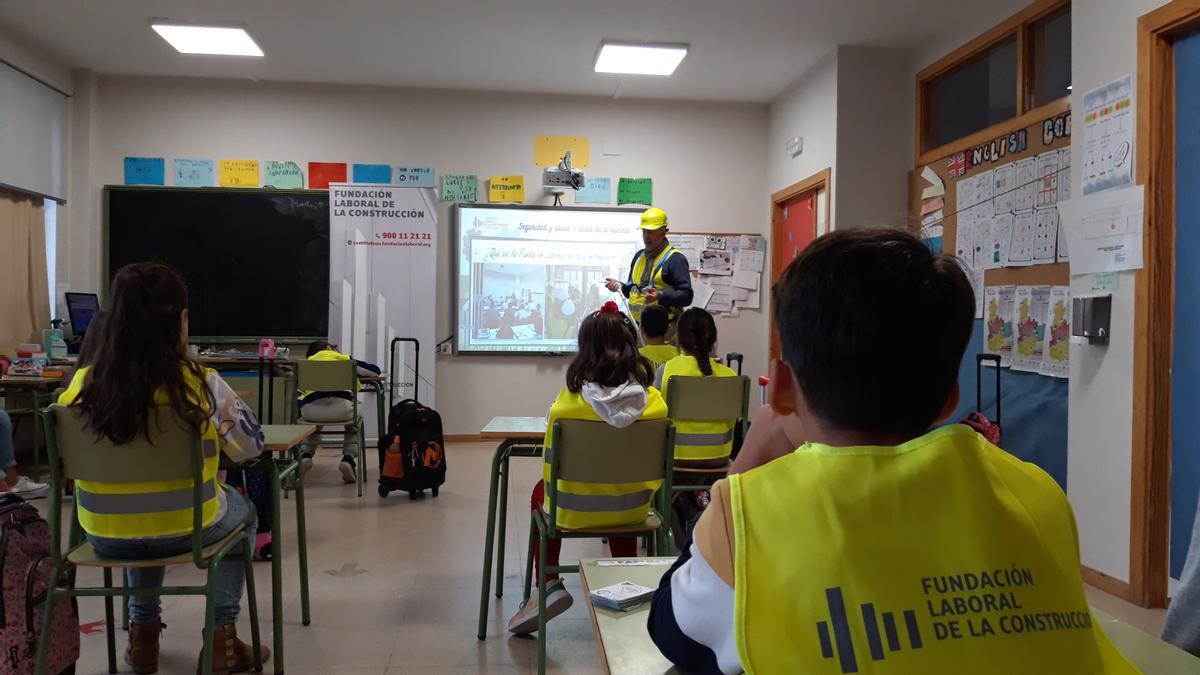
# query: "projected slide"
(527, 276)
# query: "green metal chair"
(705, 399)
(174, 452)
(595, 452)
(334, 376)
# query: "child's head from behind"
(317, 346)
(608, 352)
(143, 351)
(872, 327)
(698, 336)
(655, 322)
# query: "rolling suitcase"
(412, 455)
(989, 428)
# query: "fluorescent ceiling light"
(639, 59)
(224, 41)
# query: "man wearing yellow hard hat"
(659, 272)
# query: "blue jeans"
(8, 458)
(230, 573)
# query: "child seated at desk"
(961, 556)
(655, 322)
(331, 406)
(141, 363)
(609, 381)
(697, 444)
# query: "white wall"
(706, 160)
(874, 136)
(809, 108)
(1100, 428)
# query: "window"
(1022, 64)
(973, 95)
(1051, 58)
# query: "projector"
(556, 180)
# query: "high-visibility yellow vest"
(942, 555)
(582, 504)
(328, 355)
(698, 440)
(152, 508)
(637, 298)
(659, 354)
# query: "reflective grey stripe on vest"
(603, 503)
(141, 503)
(704, 439)
(208, 448)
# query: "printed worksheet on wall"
(998, 322)
(1026, 179)
(1045, 234)
(1029, 323)
(1056, 354)
(1002, 188)
(1020, 250)
(1048, 177)
(1001, 237)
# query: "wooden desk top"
(31, 381)
(625, 646)
(247, 363)
(284, 437)
(372, 378)
(504, 428)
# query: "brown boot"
(231, 655)
(142, 653)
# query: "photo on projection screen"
(527, 276)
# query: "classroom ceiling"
(741, 50)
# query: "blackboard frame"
(216, 339)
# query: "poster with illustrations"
(998, 322)
(1026, 179)
(1045, 234)
(1029, 322)
(1020, 250)
(1056, 353)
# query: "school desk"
(281, 459)
(625, 645)
(41, 391)
(519, 437)
(268, 369)
(377, 384)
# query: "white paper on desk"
(722, 297)
(743, 279)
(748, 260)
(701, 293)
(633, 562)
(1104, 230)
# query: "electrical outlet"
(444, 348)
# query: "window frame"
(1019, 25)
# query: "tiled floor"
(406, 596)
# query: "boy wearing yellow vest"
(880, 546)
(656, 321)
(331, 406)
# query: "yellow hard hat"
(654, 218)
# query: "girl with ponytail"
(713, 441)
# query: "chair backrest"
(326, 375)
(173, 451)
(708, 399)
(596, 452)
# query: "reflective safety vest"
(328, 355)
(153, 508)
(698, 440)
(583, 504)
(643, 279)
(942, 555)
(659, 354)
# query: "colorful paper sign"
(379, 174)
(239, 173)
(282, 174)
(414, 176)
(635, 191)
(145, 171)
(509, 189)
(193, 172)
(595, 191)
(321, 174)
(460, 187)
(548, 150)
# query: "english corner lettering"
(993, 151)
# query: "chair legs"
(529, 559)
(210, 612)
(543, 550)
(110, 638)
(43, 648)
(252, 599)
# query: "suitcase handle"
(416, 369)
(979, 359)
(734, 356)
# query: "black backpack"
(412, 455)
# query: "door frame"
(1154, 302)
(821, 180)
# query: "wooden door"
(793, 227)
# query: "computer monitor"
(81, 307)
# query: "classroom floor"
(395, 585)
